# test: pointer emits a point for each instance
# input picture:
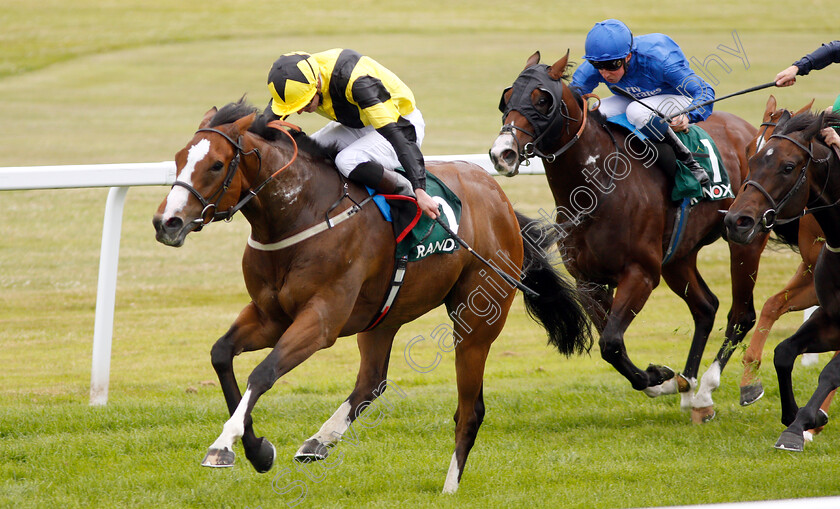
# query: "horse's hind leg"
(470, 357)
(478, 317)
(798, 294)
(248, 333)
(375, 350)
(743, 270)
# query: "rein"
(768, 218)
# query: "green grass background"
(128, 81)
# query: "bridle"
(554, 120)
(769, 217)
(211, 204)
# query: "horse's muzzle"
(504, 156)
(741, 228)
(172, 231)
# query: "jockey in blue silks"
(654, 70)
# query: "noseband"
(768, 218)
(211, 203)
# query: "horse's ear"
(769, 109)
(556, 71)
(244, 123)
(207, 116)
(533, 60)
(805, 108)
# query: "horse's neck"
(825, 192)
(295, 199)
(590, 163)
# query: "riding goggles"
(607, 65)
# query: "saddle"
(417, 235)
(704, 151)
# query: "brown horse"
(793, 171)
(619, 220)
(314, 277)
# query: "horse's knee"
(221, 353)
(784, 356)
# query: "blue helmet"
(608, 40)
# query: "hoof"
(702, 415)
(659, 374)
(790, 441)
(263, 458)
(311, 450)
(751, 393)
(219, 458)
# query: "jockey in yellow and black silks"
(376, 125)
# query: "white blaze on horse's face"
(505, 155)
(178, 196)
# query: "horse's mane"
(232, 112)
(809, 124)
(596, 115)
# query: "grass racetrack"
(106, 82)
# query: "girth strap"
(396, 285)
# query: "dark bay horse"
(793, 171)
(318, 266)
(806, 237)
(616, 218)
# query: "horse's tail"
(558, 308)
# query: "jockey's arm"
(383, 115)
(689, 84)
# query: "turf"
(105, 81)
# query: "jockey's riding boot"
(661, 132)
(383, 181)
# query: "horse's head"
(772, 117)
(208, 183)
(532, 109)
(777, 188)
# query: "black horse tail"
(558, 308)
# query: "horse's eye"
(217, 166)
(788, 168)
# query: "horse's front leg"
(375, 351)
(811, 415)
(249, 332)
(308, 333)
(798, 294)
(686, 282)
(632, 291)
(743, 269)
(812, 336)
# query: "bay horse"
(793, 171)
(619, 220)
(318, 265)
